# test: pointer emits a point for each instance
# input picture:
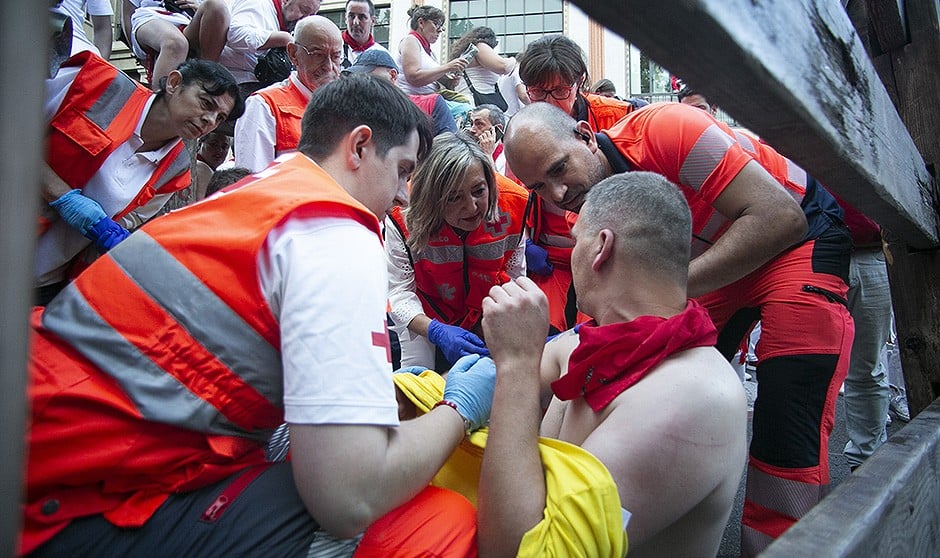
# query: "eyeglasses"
(336, 56)
(560, 93)
(437, 26)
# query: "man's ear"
(358, 146)
(604, 242)
(292, 53)
(173, 81)
(583, 129)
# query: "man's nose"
(555, 191)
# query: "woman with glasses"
(554, 71)
(460, 235)
(420, 69)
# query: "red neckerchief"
(609, 359)
(424, 42)
(280, 15)
(347, 38)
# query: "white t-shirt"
(252, 23)
(427, 61)
(76, 10)
(507, 87)
(325, 281)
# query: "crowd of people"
(422, 307)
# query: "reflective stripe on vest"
(106, 108)
(494, 250)
(704, 156)
(213, 324)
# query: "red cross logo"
(380, 339)
(500, 225)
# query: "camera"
(470, 53)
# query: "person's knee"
(789, 411)
(174, 46)
(214, 12)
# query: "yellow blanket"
(582, 506)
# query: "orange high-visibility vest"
(99, 113)
(287, 103)
(158, 370)
(454, 274)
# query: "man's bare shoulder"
(675, 444)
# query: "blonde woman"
(460, 235)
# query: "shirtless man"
(666, 419)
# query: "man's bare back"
(674, 444)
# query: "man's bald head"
(538, 118)
(316, 51)
(553, 154)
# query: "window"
(379, 30)
(515, 22)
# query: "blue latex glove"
(107, 234)
(536, 259)
(78, 211)
(470, 385)
(454, 341)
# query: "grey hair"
(650, 219)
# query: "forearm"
(349, 476)
(750, 242)
(103, 35)
(511, 494)
(53, 187)
(419, 324)
(276, 39)
(425, 76)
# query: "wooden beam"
(889, 23)
(797, 74)
(890, 506)
(913, 74)
(24, 36)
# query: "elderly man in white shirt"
(271, 124)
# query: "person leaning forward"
(767, 241)
(157, 377)
(645, 435)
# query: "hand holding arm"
(512, 482)
(455, 342)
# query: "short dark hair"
(214, 78)
(369, 2)
(604, 85)
(225, 177)
(361, 99)
(549, 56)
(687, 91)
